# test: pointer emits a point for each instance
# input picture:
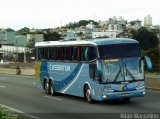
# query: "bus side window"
(36, 56)
(92, 53)
(68, 54)
(43, 53)
(76, 53)
(55, 53)
(46, 53)
(64, 53)
(58, 52)
(84, 53)
(51, 53)
(40, 53)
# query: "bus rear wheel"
(88, 94)
(52, 89)
(47, 88)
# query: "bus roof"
(95, 42)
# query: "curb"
(155, 89)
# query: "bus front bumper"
(122, 95)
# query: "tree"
(31, 43)
(81, 23)
(147, 39)
(52, 36)
(23, 31)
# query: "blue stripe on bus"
(59, 85)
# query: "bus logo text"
(60, 67)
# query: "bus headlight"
(143, 93)
(104, 96)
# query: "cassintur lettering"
(59, 67)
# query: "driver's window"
(92, 53)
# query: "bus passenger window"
(92, 53)
(36, 55)
(84, 53)
(58, 53)
(68, 54)
(64, 53)
(76, 53)
(46, 53)
(40, 53)
(52, 53)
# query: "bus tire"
(52, 89)
(88, 94)
(47, 88)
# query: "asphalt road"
(20, 93)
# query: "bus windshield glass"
(119, 51)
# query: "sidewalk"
(153, 81)
(24, 71)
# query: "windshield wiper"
(115, 79)
(130, 74)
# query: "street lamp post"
(24, 55)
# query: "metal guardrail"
(153, 76)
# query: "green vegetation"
(52, 36)
(154, 54)
(147, 39)
(25, 31)
(149, 43)
(6, 114)
(81, 23)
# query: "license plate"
(125, 94)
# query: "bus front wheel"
(88, 94)
(126, 99)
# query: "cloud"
(49, 13)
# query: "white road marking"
(2, 86)
(53, 98)
(12, 109)
(18, 111)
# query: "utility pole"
(24, 55)
(16, 50)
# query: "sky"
(17, 14)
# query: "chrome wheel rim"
(47, 87)
(88, 95)
(52, 91)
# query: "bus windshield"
(119, 51)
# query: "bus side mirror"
(99, 69)
(148, 62)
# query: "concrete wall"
(35, 37)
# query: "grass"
(7, 114)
